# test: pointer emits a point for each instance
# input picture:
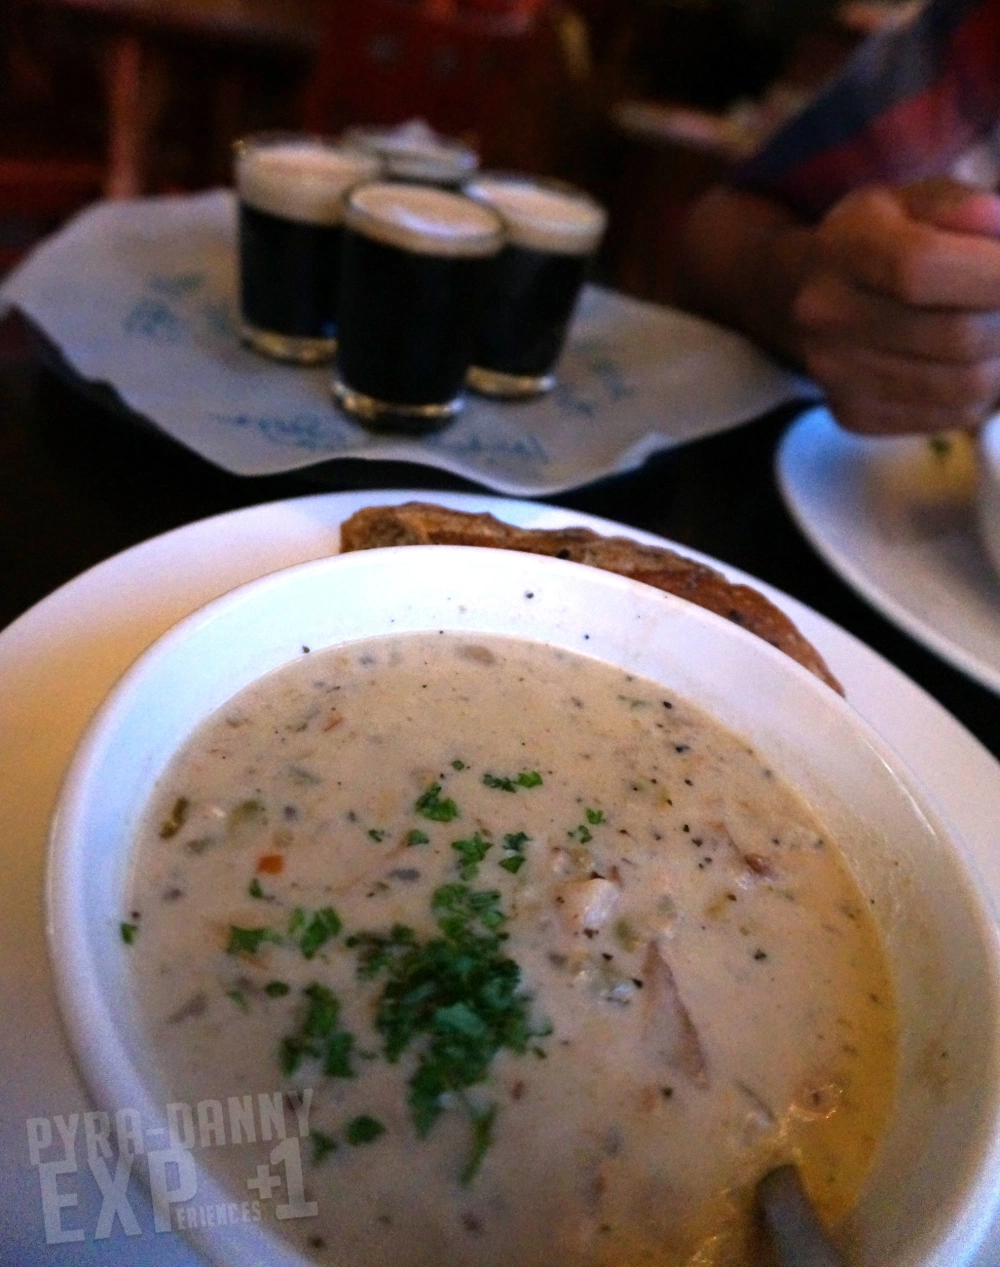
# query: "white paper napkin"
(141, 295)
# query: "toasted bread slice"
(422, 523)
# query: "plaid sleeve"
(907, 103)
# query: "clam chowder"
(556, 964)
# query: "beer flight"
(415, 286)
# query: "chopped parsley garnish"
(435, 807)
(471, 852)
(462, 906)
(377, 952)
(482, 1137)
(458, 765)
(324, 1008)
(239, 998)
(255, 890)
(514, 842)
(364, 1129)
(417, 837)
(501, 784)
(311, 932)
(594, 815)
(175, 821)
(246, 812)
(527, 778)
(376, 835)
(324, 924)
(581, 833)
(337, 1057)
(248, 941)
(128, 932)
(318, 1036)
(455, 999)
(277, 989)
(322, 1145)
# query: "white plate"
(900, 527)
(58, 661)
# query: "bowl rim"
(989, 445)
(988, 489)
(92, 1036)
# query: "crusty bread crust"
(421, 523)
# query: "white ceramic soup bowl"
(935, 1188)
(989, 489)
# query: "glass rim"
(539, 234)
(268, 137)
(397, 154)
(309, 192)
(476, 244)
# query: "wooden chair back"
(488, 71)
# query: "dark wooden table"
(81, 482)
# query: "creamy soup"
(558, 966)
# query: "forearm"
(742, 262)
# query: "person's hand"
(898, 313)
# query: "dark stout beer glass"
(412, 276)
(291, 194)
(552, 231)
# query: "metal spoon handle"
(799, 1238)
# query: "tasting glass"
(414, 152)
(413, 268)
(291, 193)
(552, 232)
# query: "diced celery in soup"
(566, 967)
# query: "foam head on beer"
(423, 220)
(542, 216)
(301, 178)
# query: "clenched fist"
(891, 302)
(898, 309)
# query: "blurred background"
(642, 102)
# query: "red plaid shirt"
(905, 106)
